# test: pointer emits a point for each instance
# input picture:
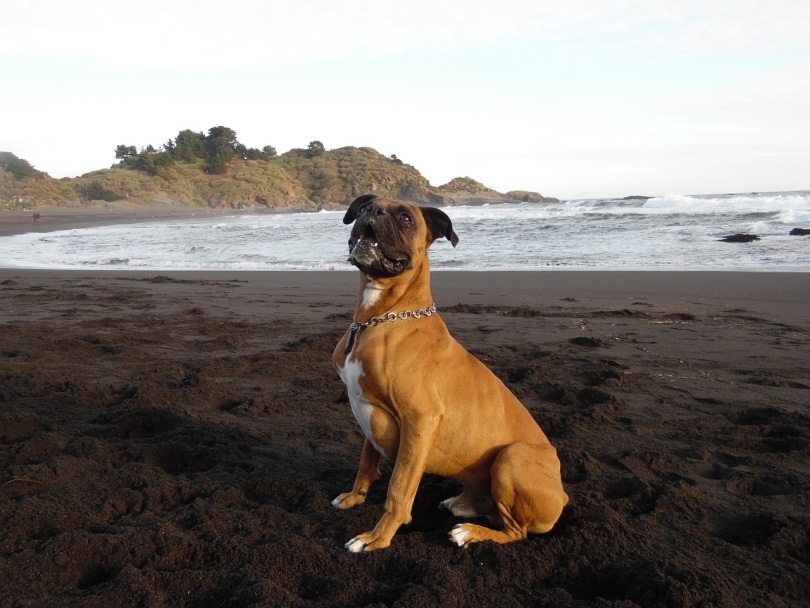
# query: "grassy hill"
(341, 175)
(295, 180)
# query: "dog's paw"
(460, 536)
(348, 500)
(363, 543)
(355, 545)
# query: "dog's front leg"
(368, 471)
(416, 441)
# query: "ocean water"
(664, 233)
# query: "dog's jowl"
(427, 404)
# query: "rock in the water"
(740, 238)
(800, 231)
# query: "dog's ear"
(439, 225)
(351, 212)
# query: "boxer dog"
(427, 404)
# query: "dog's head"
(388, 236)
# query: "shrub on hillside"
(18, 166)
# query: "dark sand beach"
(68, 218)
(175, 439)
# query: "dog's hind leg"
(472, 503)
(528, 493)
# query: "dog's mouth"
(374, 259)
(369, 238)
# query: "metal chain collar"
(355, 327)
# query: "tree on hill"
(124, 152)
(315, 148)
(218, 163)
(148, 159)
(222, 146)
(219, 138)
(218, 148)
(245, 153)
(18, 166)
(189, 146)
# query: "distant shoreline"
(52, 219)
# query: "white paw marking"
(459, 535)
(355, 546)
(336, 503)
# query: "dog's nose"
(373, 210)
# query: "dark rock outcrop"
(467, 191)
(740, 238)
(525, 196)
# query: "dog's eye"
(405, 219)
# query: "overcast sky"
(571, 98)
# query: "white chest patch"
(350, 373)
(371, 294)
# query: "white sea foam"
(668, 232)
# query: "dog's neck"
(378, 297)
